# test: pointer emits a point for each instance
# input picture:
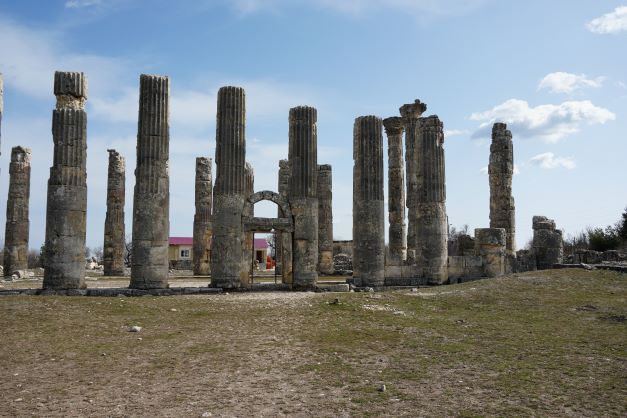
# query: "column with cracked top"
(410, 113)
(151, 199)
(229, 188)
(248, 237)
(325, 220)
(114, 231)
(548, 244)
(201, 250)
(283, 242)
(66, 208)
(397, 231)
(431, 221)
(17, 222)
(303, 161)
(501, 170)
(368, 202)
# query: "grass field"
(551, 343)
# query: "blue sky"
(555, 71)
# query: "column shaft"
(501, 171)
(114, 239)
(325, 220)
(397, 231)
(17, 221)
(201, 250)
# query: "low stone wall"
(461, 268)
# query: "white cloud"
(548, 122)
(549, 161)
(455, 132)
(77, 4)
(613, 22)
(562, 82)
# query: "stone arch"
(279, 200)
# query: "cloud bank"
(610, 23)
(562, 82)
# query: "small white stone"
(135, 328)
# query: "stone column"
(284, 240)
(397, 232)
(66, 209)
(17, 225)
(114, 240)
(431, 221)
(368, 202)
(151, 200)
(1, 105)
(229, 188)
(548, 245)
(410, 114)
(325, 220)
(201, 251)
(501, 170)
(303, 158)
(248, 238)
(490, 246)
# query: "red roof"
(261, 244)
(181, 241)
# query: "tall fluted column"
(151, 200)
(17, 226)
(284, 240)
(325, 220)
(1, 106)
(229, 189)
(202, 218)
(66, 209)
(303, 157)
(431, 222)
(410, 114)
(397, 231)
(501, 170)
(368, 202)
(114, 240)
(248, 238)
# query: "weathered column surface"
(114, 232)
(229, 189)
(17, 222)
(1, 105)
(303, 158)
(66, 208)
(397, 231)
(325, 220)
(410, 114)
(501, 170)
(490, 245)
(201, 250)
(284, 240)
(431, 220)
(248, 238)
(368, 202)
(548, 245)
(151, 200)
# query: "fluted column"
(303, 158)
(325, 220)
(397, 231)
(501, 171)
(1, 105)
(201, 251)
(114, 240)
(66, 208)
(248, 238)
(229, 189)
(284, 240)
(431, 221)
(17, 222)
(151, 200)
(368, 202)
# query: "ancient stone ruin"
(548, 245)
(114, 231)
(501, 171)
(17, 223)
(202, 218)
(397, 232)
(325, 220)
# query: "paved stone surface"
(114, 230)
(17, 221)
(202, 217)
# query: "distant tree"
(579, 241)
(34, 259)
(97, 252)
(128, 250)
(454, 239)
(603, 239)
(622, 227)
(87, 252)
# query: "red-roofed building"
(180, 251)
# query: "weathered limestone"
(325, 220)
(113, 248)
(303, 162)
(151, 199)
(17, 224)
(229, 189)
(66, 209)
(368, 202)
(501, 170)
(284, 241)
(397, 232)
(548, 245)
(201, 250)
(490, 246)
(248, 238)
(1, 105)
(430, 204)
(410, 114)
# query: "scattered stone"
(382, 388)
(135, 328)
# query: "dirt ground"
(537, 344)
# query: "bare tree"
(98, 253)
(128, 250)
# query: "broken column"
(431, 220)
(229, 189)
(17, 223)
(501, 170)
(368, 205)
(201, 250)
(151, 200)
(325, 220)
(248, 237)
(114, 240)
(303, 161)
(410, 114)
(283, 242)
(397, 231)
(490, 246)
(548, 245)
